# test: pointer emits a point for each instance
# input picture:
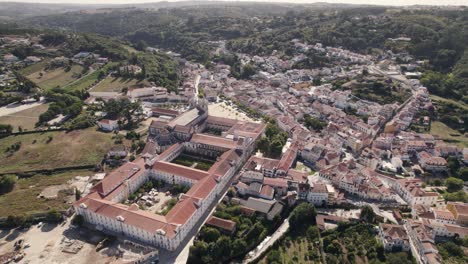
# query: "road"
(15, 108)
(275, 236)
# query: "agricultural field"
(448, 134)
(113, 84)
(298, 250)
(50, 150)
(349, 243)
(30, 188)
(57, 77)
(36, 67)
(25, 119)
(88, 80)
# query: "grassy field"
(54, 149)
(130, 49)
(112, 84)
(88, 80)
(26, 118)
(56, 77)
(37, 67)
(446, 100)
(23, 199)
(448, 134)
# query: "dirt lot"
(226, 111)
(46, 244)
(26, 118)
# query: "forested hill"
(438, 35)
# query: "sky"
(374, 2)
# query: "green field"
(57, 77)
(113, 84)
(26, 118)
(23, 199)
(448, 134)
(39, 151)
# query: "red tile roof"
(182, 211)
(222, 223)
(179, 170)
(275, 182)
(214, 141)
(119, 175)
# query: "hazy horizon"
(369, 2)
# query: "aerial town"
(226, 157)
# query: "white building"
(108, 124)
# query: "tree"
(264, 145)
(367, 214)
(450, 249)
(313, 233)
(398, 258)
(222, 248)
(210, 234)
(239, 246)
(77, 194)
(463, 173)
(313, 123)
(5, 130)
(302, 216)
(7, 183)
(454, 184)
(453, 164)
(247, 71)
(274, 257)
(53, 216)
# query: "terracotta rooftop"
(214, 141)
(183, 171)
(267, 190)
(140, 219)
(182, 211)
(275, 182)
(393, 232)
(222, 223)
(119, 175)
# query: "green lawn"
(185, 160)
(24, 197)
(448, 134)
(57, 77)
(79, 147)
(26, 118)
(113, 84)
